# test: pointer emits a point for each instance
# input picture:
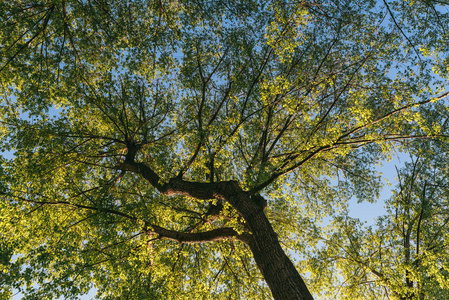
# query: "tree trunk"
(277, 269)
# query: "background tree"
(405, 254)
(162, 149)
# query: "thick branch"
(198, 237)
(176, 186)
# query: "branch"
(400, 29)
(175, 186)
(275, 175)
(198, 237)
(442, 96)
(66, 203)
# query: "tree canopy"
(191, 149)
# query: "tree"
(405, 255)
(178, 149)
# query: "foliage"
(106, 105)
